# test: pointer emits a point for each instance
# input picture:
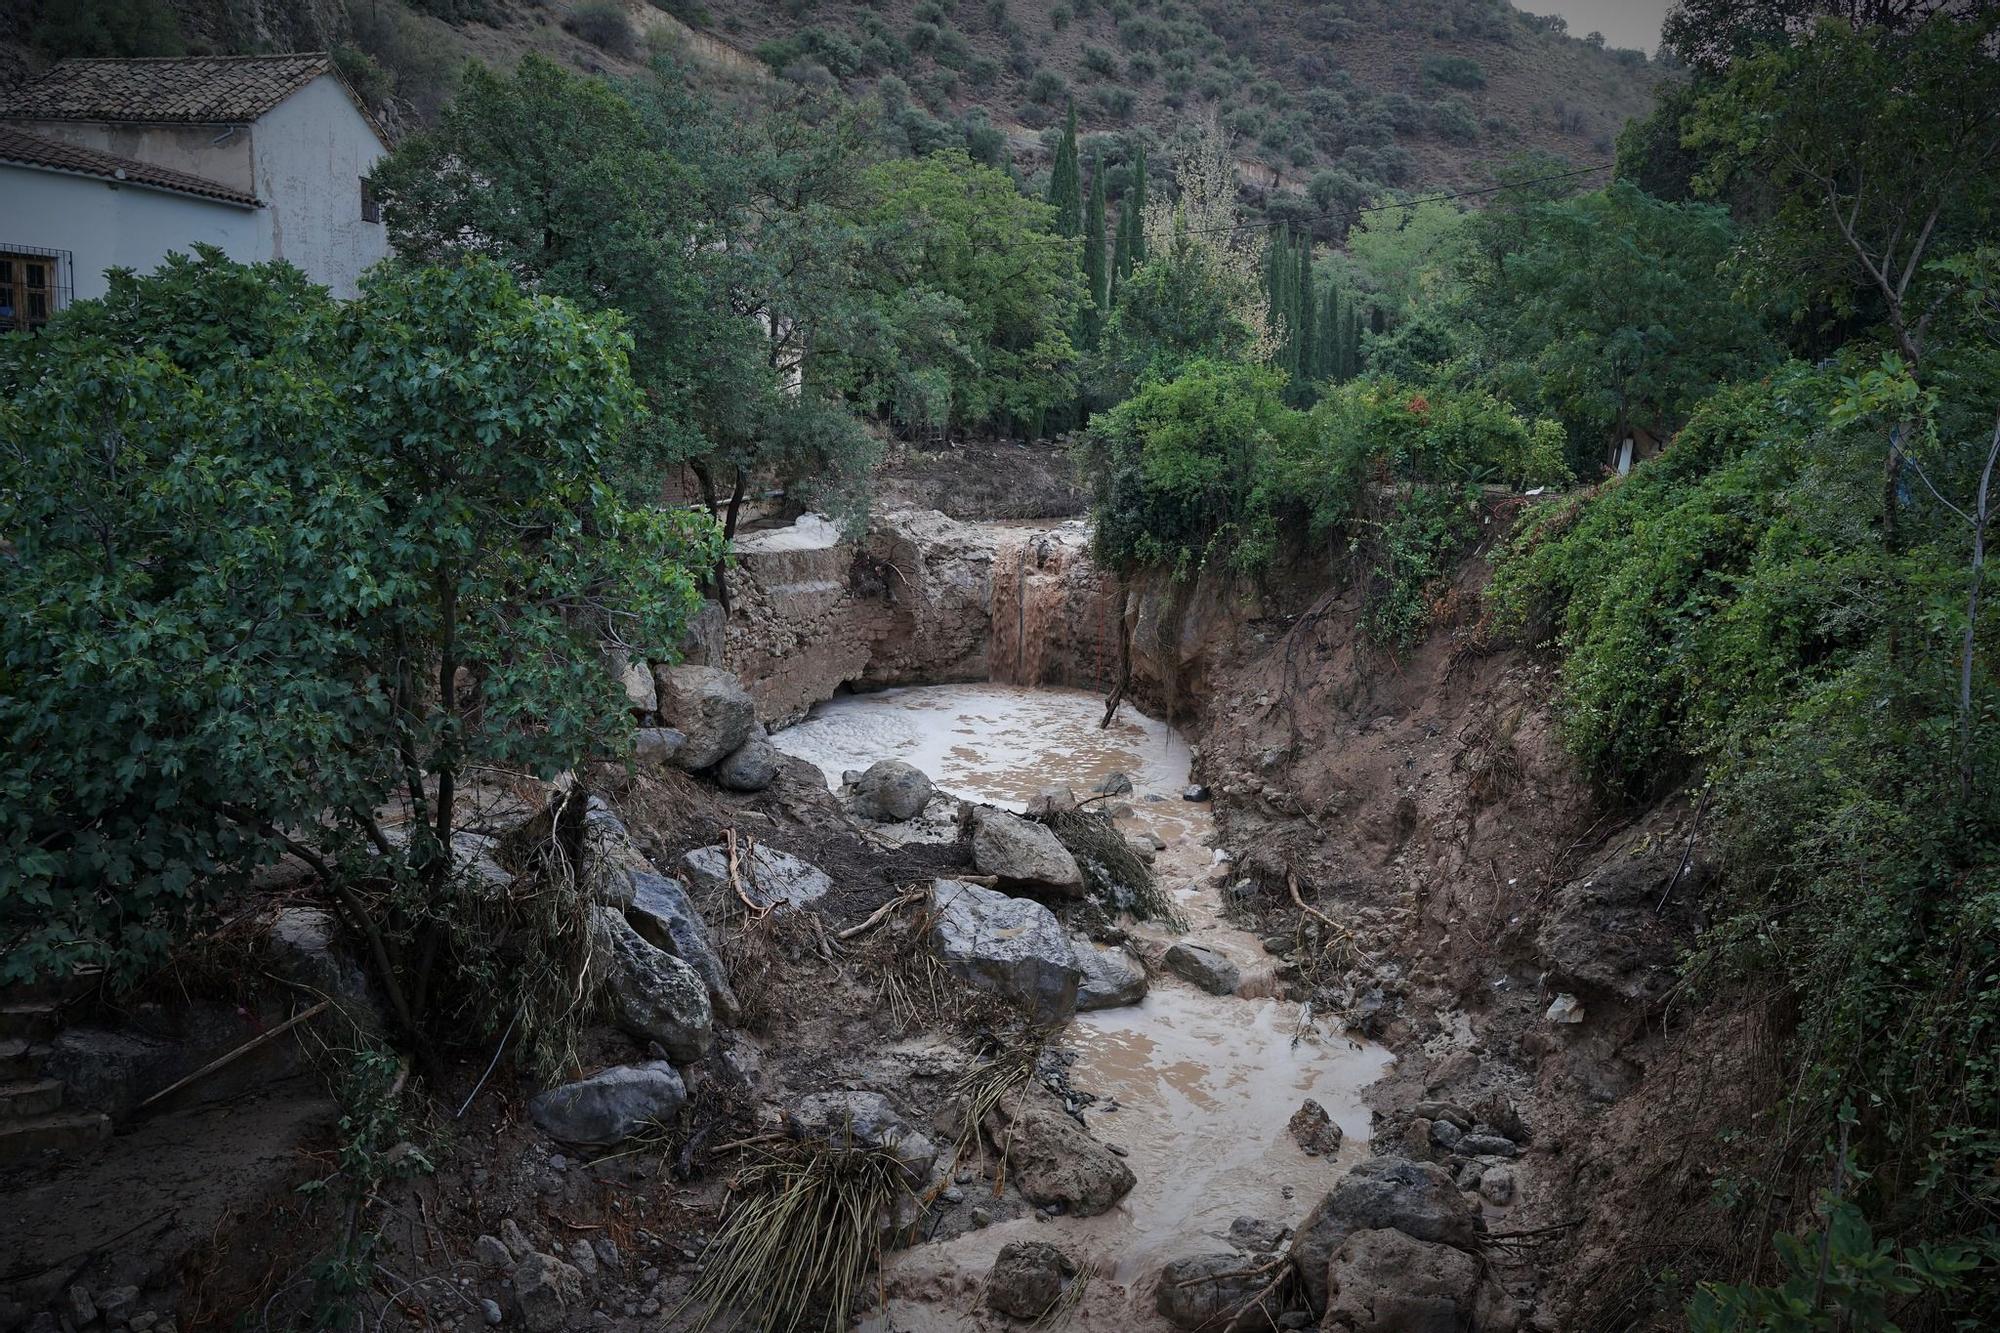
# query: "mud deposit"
(1197, 1088)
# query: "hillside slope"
(1332, 102)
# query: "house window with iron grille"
(31, 288)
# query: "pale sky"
(1623, 22)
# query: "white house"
(114, 163)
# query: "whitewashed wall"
(106, 225)
(309, 154)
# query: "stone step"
(29, 1098)
(19, 1059)
(29, 1020)
(62, 1132)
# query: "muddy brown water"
(1202, 1085)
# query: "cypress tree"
(1066, 183)
(1121, 252)
(1095, 274)
(1308, 322)
(1135, 205)
(1326, 341)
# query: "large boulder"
(1024, 855)
(707, 706)
(654, 995)
(1384, 1281)
(847, 1118)
(1053, 1160)
(1418, 1199)
(1203, 1291)
(611, 1105)
(1108, 978)
(1010, 947)
(656, 905)
(891, 790)
(1205, 967)
(753, 767)
(767, 876)
(1027, 1278)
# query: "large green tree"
(959, 240)
(1610, 310)
(276, 564)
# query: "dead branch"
(247, 1047)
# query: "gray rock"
(1450, 1111)
(1052, 801)
(305, 948)
(546, 1289)
(891, 790)
(770, 877)
(478, 865)
(490, 1309)
(78, 1306)
(1109, 978)
(1024, 854)
(1384, 1281)
(982, 1217)
(1445, 1134)
(753, 767)
(1314, 1131)
(491, 1252)
(1416, 1198)
(662, 913)
(1114, 783)
(515, 1239)
(44, 1321)
(582, 1257)
(1194, 791)
(1010, 947)
(608, 1107)
(654, 995)
(641, 694)
(845, 1118)
(1027, 1278)
(1256, 1235)
(112, 1071)
(1203, 966)
(657, 746)
(607, 1251)
(117, 1303)
(1486, 1145)
(1056, 1163)
(708, 706)
(1496, 1185)
(1199, 1292)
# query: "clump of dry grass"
(804, 1227)
(1117, 876)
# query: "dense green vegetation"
(274, 561)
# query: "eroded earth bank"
(1312, 991)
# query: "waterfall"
(1053, 612)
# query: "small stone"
(515, 1239)
(558, 1162)
(1027, 1278)
(44, 1322)
(79, 1307)
(583, 1257)
(492, 1252)
(491, 1309)
(953, 1194)
(113, 1304)
(982, 1217)
(144, 1320)
(546, 1288)
(1314, 1131)
(1194, 791)
(649, 1307)
(1496, 1186)
(1256, 1235)
(1445, 1134)
(607, 1251)
(1566, 1009)
(1117, 1150)
(1486, 1145)
(1205, 967)
(1114, 783)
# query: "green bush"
(1098, 61)
(605, 25)
(1457, 71)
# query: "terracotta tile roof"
(204, 90)
(32, 150)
